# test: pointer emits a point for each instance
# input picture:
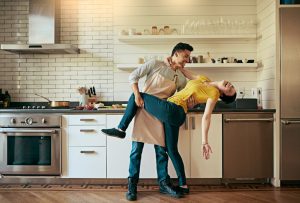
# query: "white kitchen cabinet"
(118, 152)
(87, 162)
(84, 146)
(86, 136)
(190, 148)
(200, 167)
(87, 119)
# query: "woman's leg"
(129, 113)
(172, 133)
(163, 110)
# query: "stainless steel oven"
(30, 144)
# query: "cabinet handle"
(87, 152)
(287, 122)
(87, 119)
(193, 123)
(186, 123)
(87, 130)
(248, 119)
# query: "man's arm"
(188, 74)
(134, 78)
(138, 99)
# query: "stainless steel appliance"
(30, 144)
(43, 31)
(290, 94)
(248, 145)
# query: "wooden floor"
(211, 195)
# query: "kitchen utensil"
(82, 90)
(94, 91)
(56, 104)
(89, 92)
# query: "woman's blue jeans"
(171, 115)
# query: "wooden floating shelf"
(197, 65)
(176, 37)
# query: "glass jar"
(154, 30)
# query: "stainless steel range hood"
(43, 31)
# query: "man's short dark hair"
(228, 99)
(181, 47)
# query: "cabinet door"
(248, 145)
(87, 162)
(200, 167)
(290, 149)
(118, 152)
(86, 136)
(87, 120)
(184, 150)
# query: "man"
(163, 78)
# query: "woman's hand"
(206, 150)
(139, 101)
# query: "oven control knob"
(13, 121)
(44, 120)
(28, 121)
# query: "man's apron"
(147, 128)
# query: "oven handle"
(27, 131)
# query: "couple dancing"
(158, 100)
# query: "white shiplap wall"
(266, 50)
(143, 14)
(84, 23)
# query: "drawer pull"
(193, 123)
(248, 119)
(186, 123)
(87, 119)
(287, 122)
(87, 152)
(87, 130)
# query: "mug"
(132, 31)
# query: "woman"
(172, 114)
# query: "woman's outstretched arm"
(210, 105)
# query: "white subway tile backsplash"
(92, 26)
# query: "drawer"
(86, 136)
(87, 120)
(87, 162)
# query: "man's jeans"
(161, 161)
(171, 115)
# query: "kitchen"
(113, 37)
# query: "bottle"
(6, 100)
(208, 59)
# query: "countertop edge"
(71, 111)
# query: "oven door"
(30, 151)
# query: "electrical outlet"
(254, 92)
